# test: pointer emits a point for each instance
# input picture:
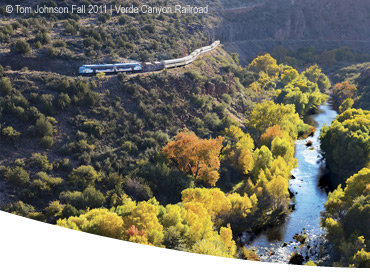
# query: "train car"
(110, 68)
(190, 58)
(128, 67)
(150, 67)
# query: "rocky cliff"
(332, 23)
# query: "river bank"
(278, 242)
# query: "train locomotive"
(136, 67)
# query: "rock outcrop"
(329, 23)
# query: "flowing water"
(276, 244)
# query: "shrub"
(226, 98)
(10, 133)
(84, 175)
(63, 101)
(72, 198)
(5, 86)
(41, 161)
(22, 47)
(123, 19)
(60, 44)
(20, 208)
(136, 189)
(43, 38)
(122, 77)
(47, 103)
(38, 45)
(104, 18)
(194, 75)
(38, 216)
(54, 209)
(51, 52)
(47, 142)
(17, 176)
(212, 121)
(44, 127)
(69, 211)
(70, 29)
(93, 198)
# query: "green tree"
(84, 176)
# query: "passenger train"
(146, 66)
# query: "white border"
(36, 250)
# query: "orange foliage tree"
(343, 91)
(270, 134)
(195, 156)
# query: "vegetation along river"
(276, 244)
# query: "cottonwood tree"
(195, 156)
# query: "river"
(276, 244)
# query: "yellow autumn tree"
(200, 223)
(239, 149)
(267, 114)
(144, 218)
(213, 200)
(96, 221)
(221, 245)
(267, 64)
(222, 208)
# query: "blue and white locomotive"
(110, 68)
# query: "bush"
(43, 38)
(122, 77)
(84, 176)
(60, 44)
(17, 176)
(5, 86)
(212, 121)
(194, 75)
(44, 127)
(22, 47)
(123, 19)
(72, 198)
(47, 142)
(70, 29)
(63, 101)
(10, 133)
(136, 189)
(69, 211)
(38, 216)
(20, 208)
(51, 52)
(38, 45)
(226, 98)
(104, 18)
(92, 198)
(41, 161)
